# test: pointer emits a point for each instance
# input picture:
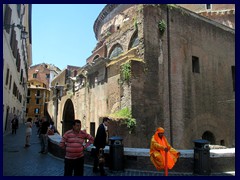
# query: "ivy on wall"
(162, 26)
(126, 72)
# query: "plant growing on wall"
(135, 24)
(126, 71)
(162, 26)
(125, 115)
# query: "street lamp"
(58, 94)
(24, 33)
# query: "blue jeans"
(44, 142)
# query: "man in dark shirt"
(44, 136)
(100, 142)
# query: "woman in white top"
(28, 131)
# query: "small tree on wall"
(124, 116)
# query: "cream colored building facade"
(17, 57)
(39, 79)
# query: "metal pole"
(166, 165)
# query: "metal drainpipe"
(169, 76)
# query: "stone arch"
(115, 51)
(209, 136)
(68, 116)
(134, 41)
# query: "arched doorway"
(68, 116)
(209, 136)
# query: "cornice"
(106, 10)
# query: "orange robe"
(157, 153)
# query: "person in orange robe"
(160, 146)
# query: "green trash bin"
(201, 157)
(116, 153)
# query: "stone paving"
(20, 161)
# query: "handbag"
(101, 158)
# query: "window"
(10, 82)
(6, 82)
(36, 111)
(14, 91)
(38, 93)
(13, 43)
(34, 75)
(37, 100)
(233, 77)
(134, 41)
(96, 57)
(208, 6)
(7, 17)
(222, 142)
(195, 65)
(21, 76)
(117, 50)
(18, 61)
(48, 76)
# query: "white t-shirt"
(28, 128)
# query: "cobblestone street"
(20, 161)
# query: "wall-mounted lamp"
(24, 34)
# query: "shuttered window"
(7, 18)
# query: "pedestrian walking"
(39, 126)
(100, 142)
(44, 136)
(74, 142)
(28, 133)
(161, 150)
(14, 123)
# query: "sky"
(62, 34)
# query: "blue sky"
(62, 34)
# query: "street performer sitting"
(160, 146)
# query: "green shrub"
(126, 118)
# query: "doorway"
(68, 116)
